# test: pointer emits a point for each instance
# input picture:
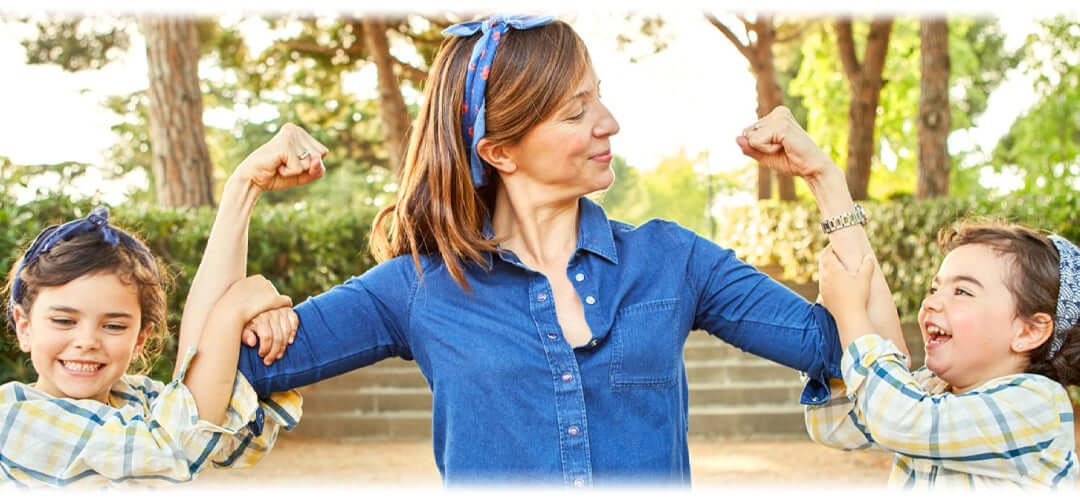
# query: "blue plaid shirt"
(512, 400)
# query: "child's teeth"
(81, 367)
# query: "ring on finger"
(756, 126)
(303, 155)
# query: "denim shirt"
(512, 400)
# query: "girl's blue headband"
(1068, 304)
(493, 30)
(97, 221)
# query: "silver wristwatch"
(856, 216)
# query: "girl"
(86, 298)
(551, 336)
(1000, 326)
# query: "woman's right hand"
(778, 143)
(278, 163)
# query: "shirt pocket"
(645, 346)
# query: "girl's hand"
(291, 158)
(273, 330)
(252, 295)
(780, 144)
(845, 294)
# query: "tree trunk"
(181, 161)
(934, 112)
(866, 82)
(760, 55)
(392, 111)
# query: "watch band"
(846, 219)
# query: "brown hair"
(438, 210)
(1034, 284)
(88, 254)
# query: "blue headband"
(473, 109)
(1068, 304)
(98, 221)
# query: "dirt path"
(301, 461)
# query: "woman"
(551, 336)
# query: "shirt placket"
(570, 413)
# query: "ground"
(303, 461)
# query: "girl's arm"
(779, 143)
(274, 165)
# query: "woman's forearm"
(851, 244)
(224, 260)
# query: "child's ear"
(22, 328)
(497, 155)
(1034, 333)
(141, 341)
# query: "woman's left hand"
(780, 144)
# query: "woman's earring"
(1019, 346)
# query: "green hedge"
(300, 248)
(903, 234)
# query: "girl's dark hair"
(89, 254)
(1034, 284)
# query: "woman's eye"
(63, 321)
(577, 116)
(961, 291)
(116, 327)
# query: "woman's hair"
(1033, 282)
(89, 254)
(438, 211)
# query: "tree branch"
(793, 33)
(410, 72)
(877, 45)
(743, 49)
(845, 45)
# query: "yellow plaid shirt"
(149, 433)
(1014, 431)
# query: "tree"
(181, 163)
(349, 43)
(865, 81)
(1042, 147)
(934, 112)
(761, 35)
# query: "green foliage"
(303, 248)
(979, 62)
(1043, 144)
(673, 190)
(903, 234)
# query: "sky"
(695, 96)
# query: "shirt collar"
(594, 231)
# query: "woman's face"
(570, 152)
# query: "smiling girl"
(86, 299)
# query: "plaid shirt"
(149, 433)
(1015, 430)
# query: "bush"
(903, 234)
(303, 248)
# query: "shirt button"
(573, 431)
(580, 277)
(594, 342)
(541, 297)
(579, 483)
(566, 377)
(590, 300)
(553, 335)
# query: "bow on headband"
(97, 221)
(1068, 304)
(473, 109)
